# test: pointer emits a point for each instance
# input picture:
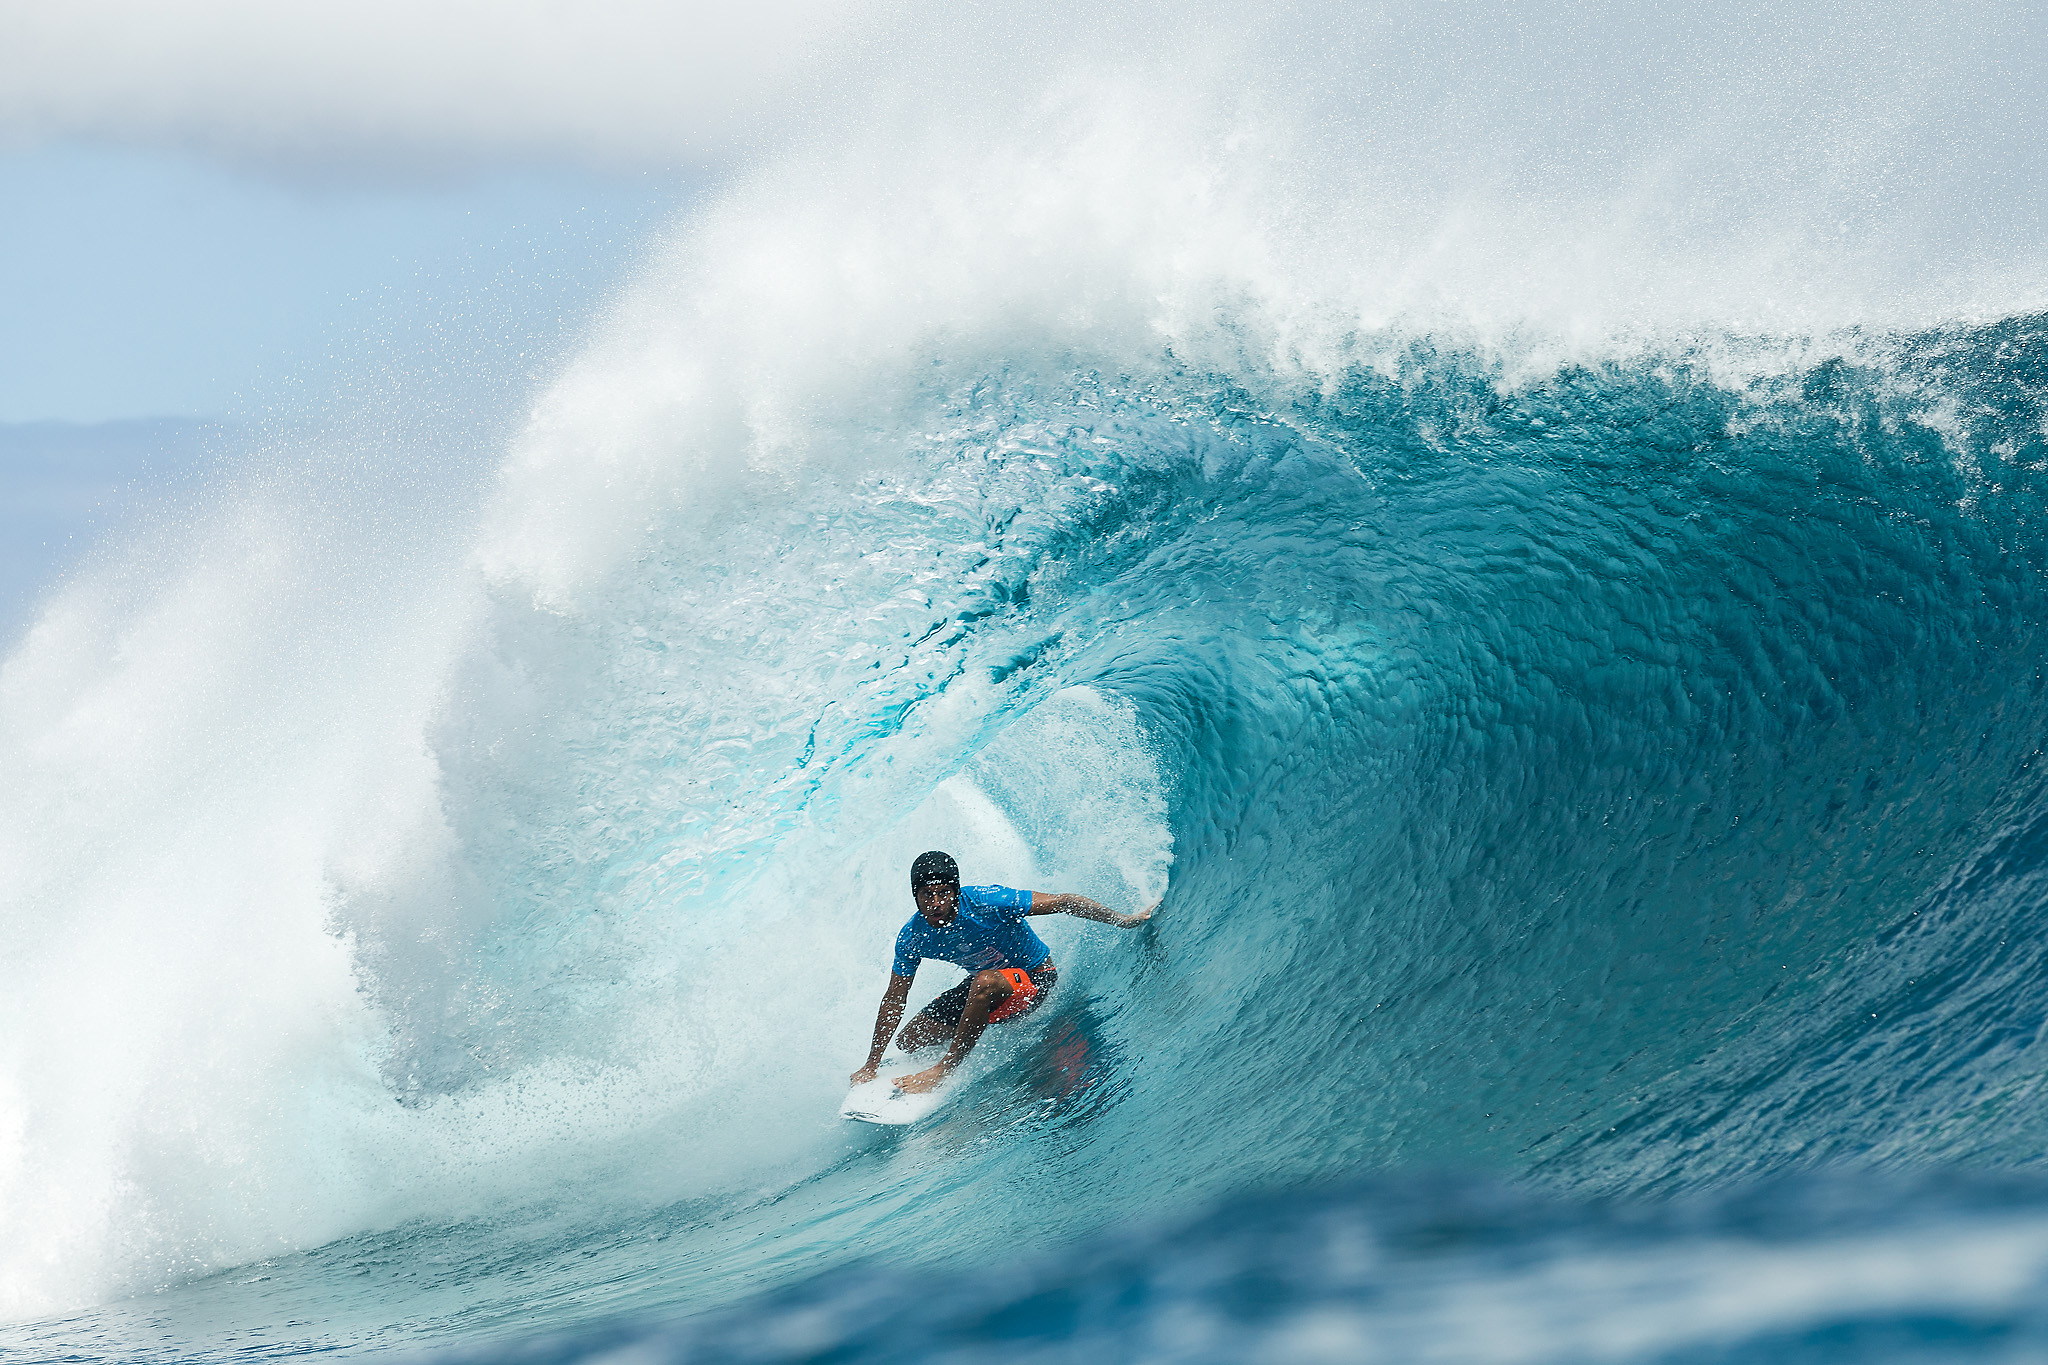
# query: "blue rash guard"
(989, 931)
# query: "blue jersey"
(989, 931)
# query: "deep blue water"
(1442, 1269)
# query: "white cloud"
(1598, 95)
(627, 82)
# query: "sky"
(195, 193)
(216, 213)
(153, 300)
(150, 283)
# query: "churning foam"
(234, 872)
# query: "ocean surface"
(1592, 758)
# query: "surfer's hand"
(1141, 916)
(864, 1075)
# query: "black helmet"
(933, 869)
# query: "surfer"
(1010, 971)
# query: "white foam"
(242, 894)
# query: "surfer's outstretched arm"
(886, 1020)
(1066, 903)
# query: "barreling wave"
(1613, 763)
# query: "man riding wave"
(1010, 971)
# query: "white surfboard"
(879, 1101)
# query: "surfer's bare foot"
(923, 1081)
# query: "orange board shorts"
(1028, 990)
(1022, 992)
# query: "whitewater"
(1567, 646)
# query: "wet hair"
(933, 869)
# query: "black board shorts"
(947, 1007)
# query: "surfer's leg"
(985, 991)
(936, 1022)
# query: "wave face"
(1614, 766)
